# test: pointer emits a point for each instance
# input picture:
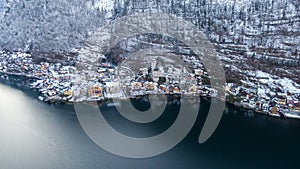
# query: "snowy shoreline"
(108, 100)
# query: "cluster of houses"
(261, 92)
(71, 85)
(57, 82)
(267, 94)
(164, 85)
(19, 63)
(167, 78)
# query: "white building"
(113, 87)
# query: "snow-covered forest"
(249, 35)
(266, 27)
(261, 33)
(47, 26)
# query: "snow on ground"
(286, 83)
(261, 91)
(262, 75)
(105, 4)
(238, 3)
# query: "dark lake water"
(38, 135)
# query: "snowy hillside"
(249, 35)
(252, 34)
(47, 26)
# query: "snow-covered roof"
(112, 84)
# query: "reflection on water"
(38, 135)
(30, 132)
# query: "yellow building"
(274, 110)
(150, 86)
(282, 101)
(297, 107)
(136, 86)
(95, 91)
(176, 90)
(67, 93)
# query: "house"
(112, 87)
(156, 75)
(198, 72)
(274, 110)
(176, 89)
(136, 86)
(227, 88)
(171, 88)
(258, 105)
(193, 89)
(44, 66)
(297, 107)
(101, 70)
(144, 71)
(265, 107)
(67, 93)
(290, 100)
(163, 88)
(57, 66)
(95, 91)
(281, 100)
(149, 86)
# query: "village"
(260, 91)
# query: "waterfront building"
(281, 100)
(95, 91)
(150, 86)
(112, 87)
(297, 107)
(274, 110)
(157, 74)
